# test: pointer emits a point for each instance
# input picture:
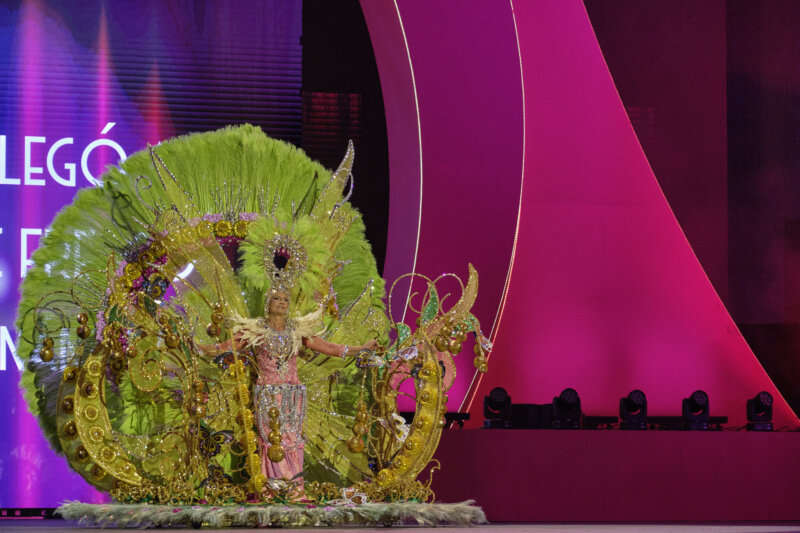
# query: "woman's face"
(279, 303)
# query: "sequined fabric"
(278, 386)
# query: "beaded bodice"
(277, 363)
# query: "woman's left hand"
(370, 345)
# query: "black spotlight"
(567, 410)
(759, 412)
(633, 411)
(695, 411)
(497, 409)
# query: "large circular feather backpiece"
(136, 277)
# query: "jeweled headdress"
(282, 254)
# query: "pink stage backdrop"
(453, 100)
(605, 294)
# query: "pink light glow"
(606, 294)
(32, 52)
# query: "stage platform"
(622, 476)
(51, 526)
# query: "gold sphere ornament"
(448, 320)
(360, 428)
(479, 361)
(70, 430)
(46, 354)
(274, 412)
(441, 344)
(355, 444)
(461, 335)
(47, 342)
(83, 331)
(82, 318)
(216, 317)
(385, 477)
(131, 352)
(274, 437)
(199, 410)
(81, 454)
(213, 330)
(483, 368)
(70, 374)
(454, 346)
(274, 424)
(275, 453)
(478, 349)
(67, 404)
(88, 390)
(172, 341)
(362, 416)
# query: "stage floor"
(51, 526)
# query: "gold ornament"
(70, 430)
(275, 453)
(454, 346)
(131, 352)
(89, 390)
(68, 404)
(216, 317)
(47, 342)
(355, 444)
(70, 374)
(157, 249)
(81, 454)
(240, 228)
(132, 270)
(46, 354)
(274, 437)
(172, 341)
(359, 428)
(222, 228)
(273, 412)
(213, 330)
(441, 344)
(362, 416)
(82, 318)
(83, 331)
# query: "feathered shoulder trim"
(253, 331)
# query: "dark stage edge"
(273, 515)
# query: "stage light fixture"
(633, 410)
(497, 409)
(696, 411)
(567, 410)
(759, 412)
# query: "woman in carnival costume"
(187, 330)
(228, 238)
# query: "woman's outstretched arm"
(336, 350)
